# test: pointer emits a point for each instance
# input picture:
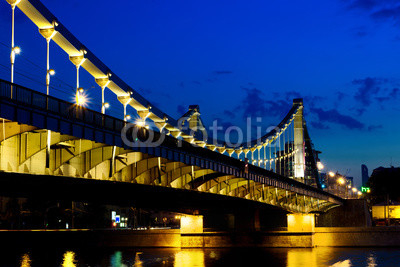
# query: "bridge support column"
(299, 222)
(191, 230)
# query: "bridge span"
(43, 135)
(89, 144)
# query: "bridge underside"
(24, 150)
(58, 188)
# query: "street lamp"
(14, 49)
(106, 105)
(341, 181)
(127, 117)
(331, 174)
(320, 166)
(103, 83)
(354, 190)
(50, 72)
(80, 97)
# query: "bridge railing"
(62, 108)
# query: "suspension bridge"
(44, 135)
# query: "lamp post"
(15, 50)
(48, 33)
(104, 106)
(125, 100)
(341, 181)
(354, 190)
(78, 61)
(50, 72)
(331, 174)
(103, 83)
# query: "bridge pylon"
(299, 157)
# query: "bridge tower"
(299, 156)
(194, 121)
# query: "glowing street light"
(51, 72)
(106, 105)
(331, 174)
(81, 100)
(16, 50)
(127, 117)
(354, 190)
(142, 123)
(320, 166)
(341, 181)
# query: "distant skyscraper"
(364, 174)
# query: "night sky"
(239, 59)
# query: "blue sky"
(237, 59)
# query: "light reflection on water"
(25, 260)
(334, 257)
(69, 259)
(189, 258)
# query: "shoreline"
(173, 238)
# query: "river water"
(291, 257)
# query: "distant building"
(324, 180)
(364, 174)
(350, 181)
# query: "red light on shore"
(114, 224)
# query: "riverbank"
(173, 238)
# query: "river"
(291, 257)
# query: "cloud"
(289, 96)
(333, 116)
(387, 14)
(395, 93)
(378, 10)
(374, 90)
(340, 96)
(368, 87)
(221, 122)
(319, 125)
(255, 104)
(362, 4)
(222, 72)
